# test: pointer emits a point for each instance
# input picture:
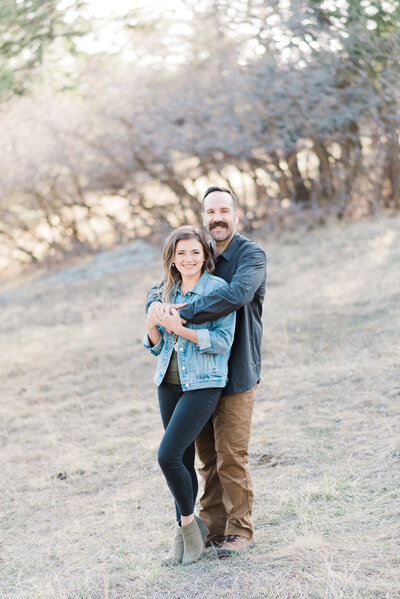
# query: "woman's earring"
(173, 264)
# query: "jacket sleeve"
(218, 338)
(153, 295)
(229, 297)
(155, 349)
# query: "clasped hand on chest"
(167, 315)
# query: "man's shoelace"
(231, 538)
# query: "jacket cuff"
(186, 312)
(203, 340)
(155, 349)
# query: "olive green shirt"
(172, 374)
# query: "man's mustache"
(218, 223)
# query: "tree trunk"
(301, 193)
(392, 163)
(325, 175)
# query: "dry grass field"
(85, 512)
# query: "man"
(222, 446)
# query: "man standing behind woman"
(223, 444)
(191, 372)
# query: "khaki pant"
(223, 449)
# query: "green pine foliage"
(27, 30)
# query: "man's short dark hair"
(224, 190)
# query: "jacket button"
(181, 348)
(183, 368)
(187, 385)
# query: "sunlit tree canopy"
(117, 116)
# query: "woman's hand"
(152, 320)
(157, 311)
(152, 330)
(171, 320)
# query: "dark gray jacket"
(243, 266)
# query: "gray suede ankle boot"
(203, 527)
(193, 536)
(175, 555)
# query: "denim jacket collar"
(198, 289)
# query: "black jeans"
(184, 414)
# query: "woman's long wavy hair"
(171, 273)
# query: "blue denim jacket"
(205, 364)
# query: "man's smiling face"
(220, 216)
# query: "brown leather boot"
(235, 545)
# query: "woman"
(191, 372)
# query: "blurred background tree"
(29, 30)
(124, 122)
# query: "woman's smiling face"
(189, 257)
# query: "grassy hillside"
(85, 512)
